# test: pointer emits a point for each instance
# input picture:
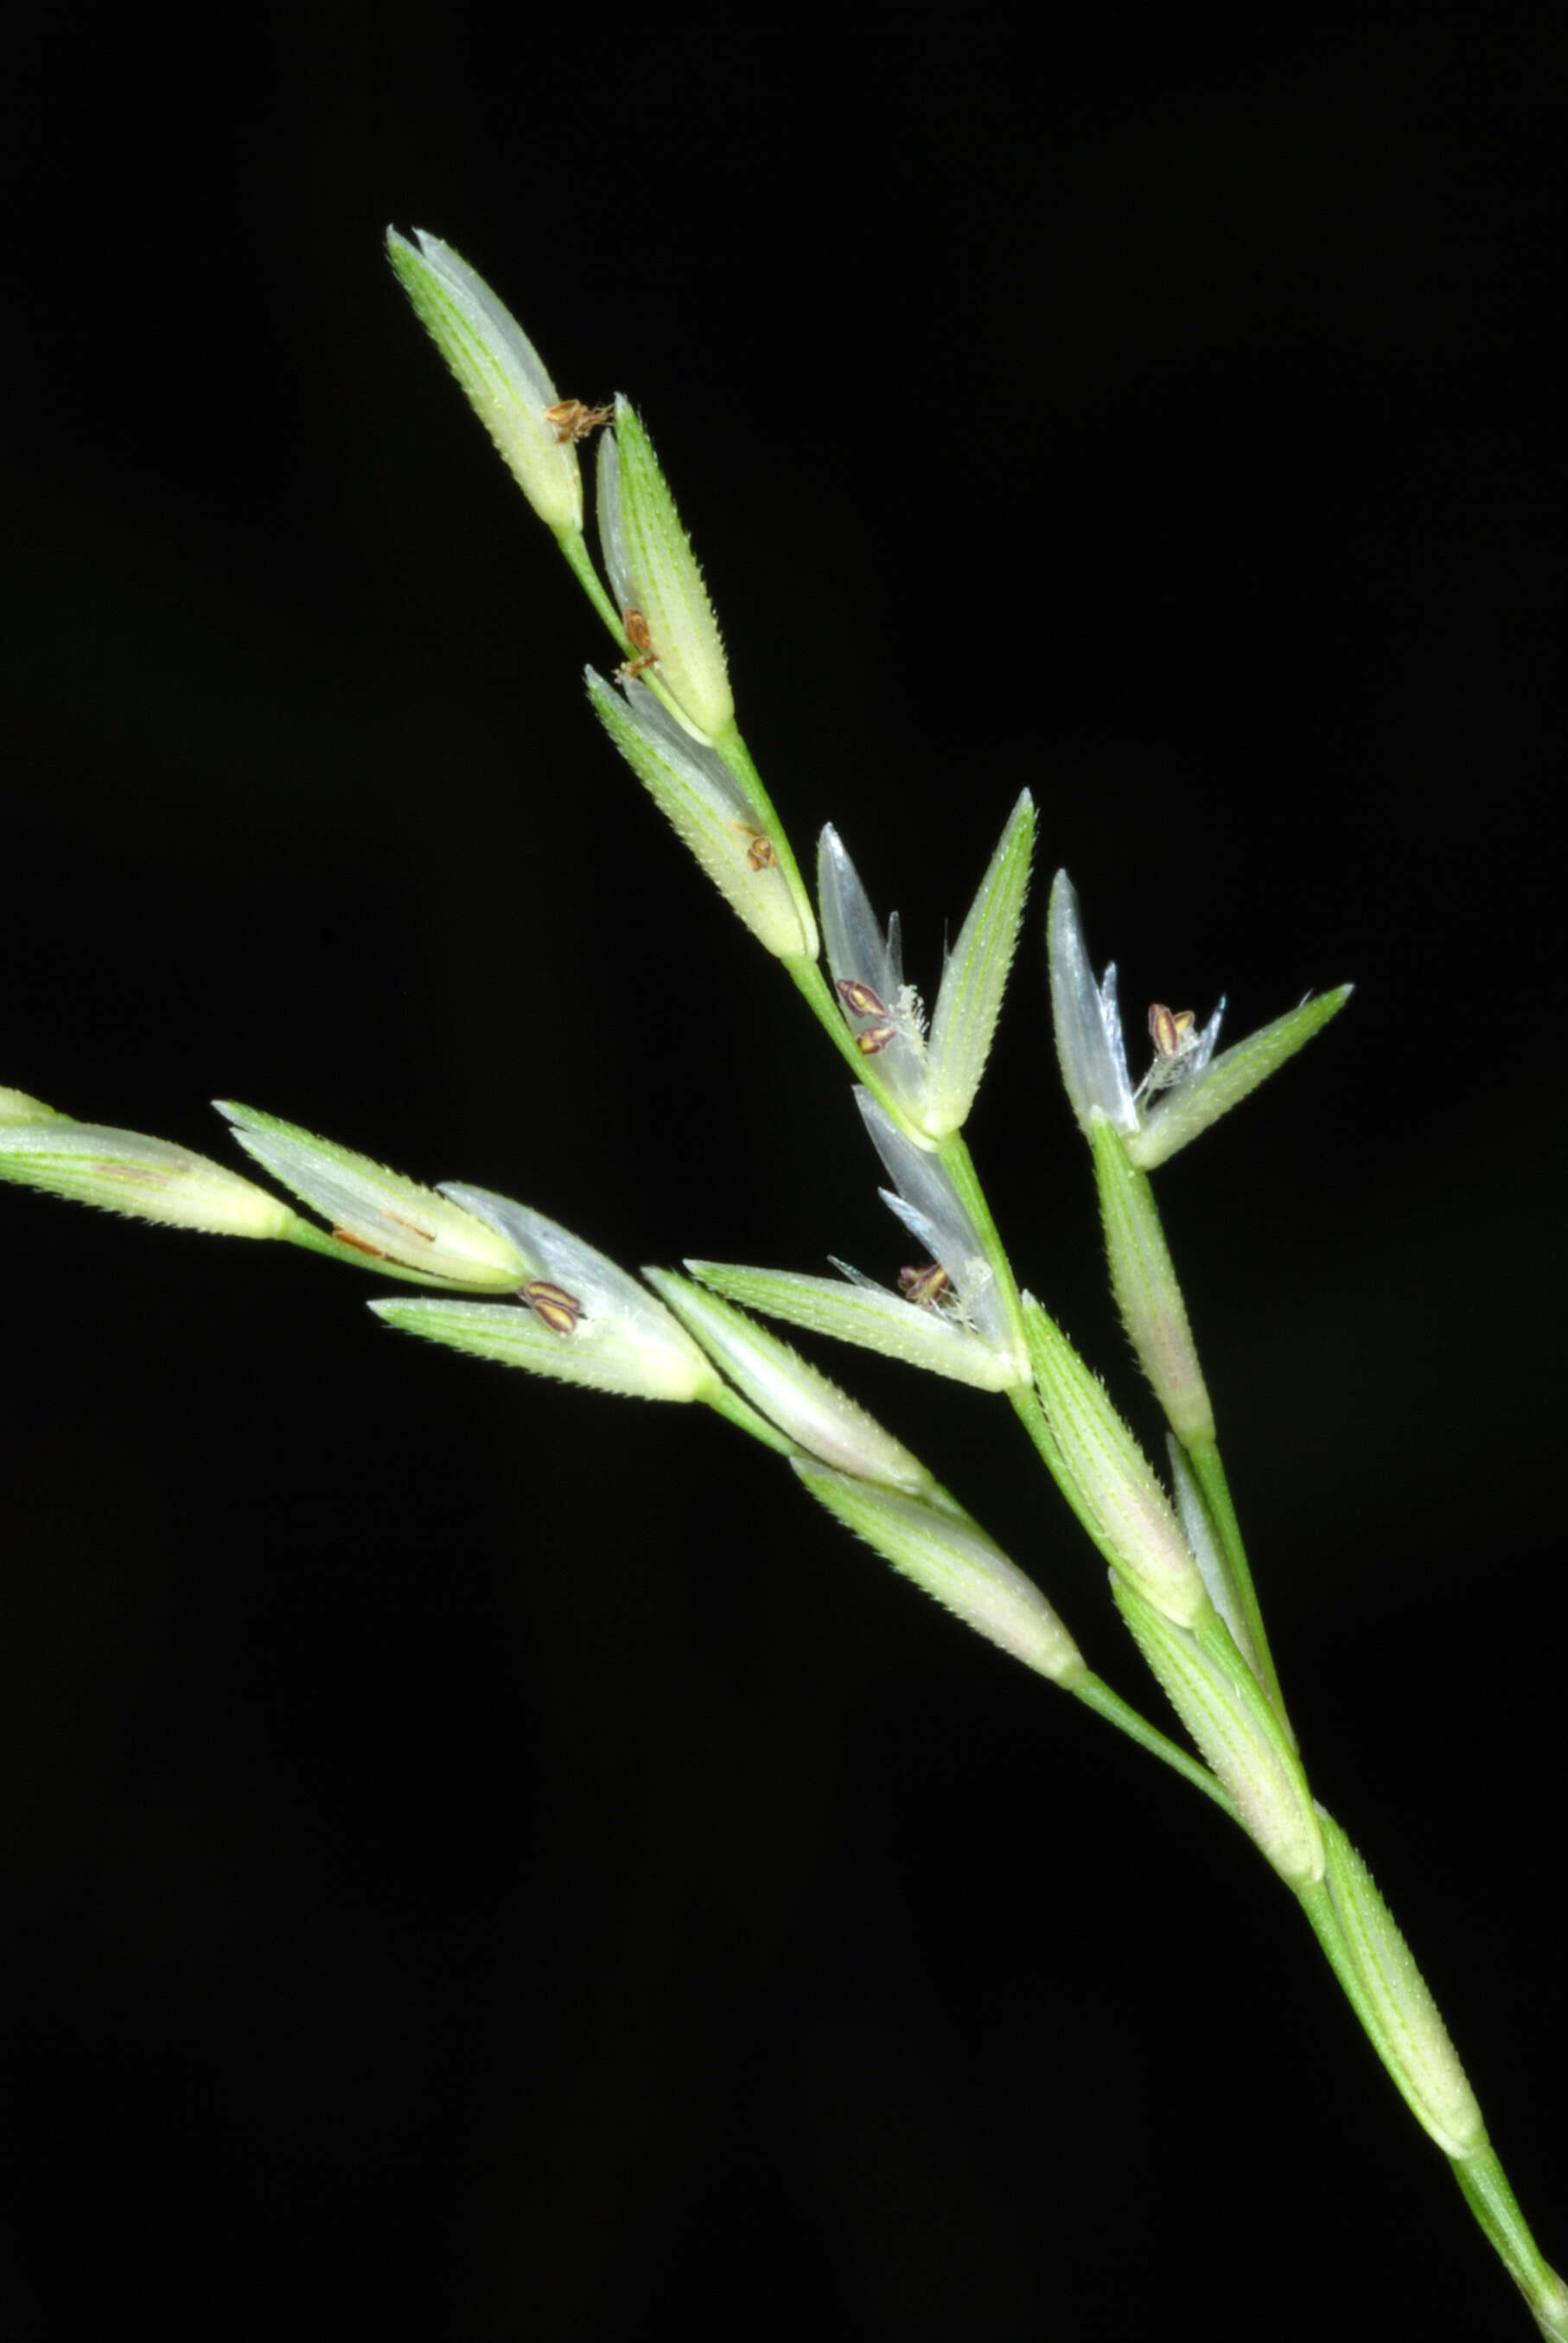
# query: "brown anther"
(1171, 1030)
(875, 1038)
(859, 997)
(925, 1286)
(759, 849)
(429, 1235)
(360, 1244)
(573, 420)
(552, 1305)
(641, 640)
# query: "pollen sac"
(925, 1286)
(1171, 1030)
(876, 1037)
(552, 1305)
(572, 420)
(1174, 1033)
(760, 850)
(360, 1244)
(641, 640)
(859, 996)
(425, 1236)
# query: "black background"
(484, 1860)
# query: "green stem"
(574, 545)
(1480, 2177)
(1208, 1471)
(1097, 1695)
(1486, 2191)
